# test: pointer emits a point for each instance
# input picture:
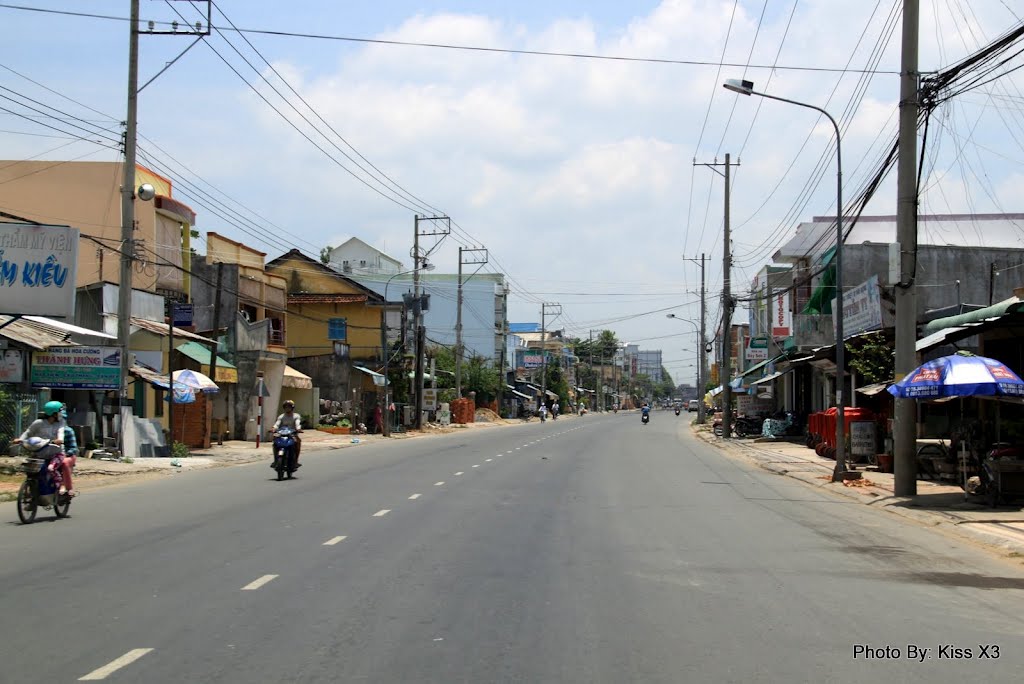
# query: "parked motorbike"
(748, 426)
(284, 453)
(41, 486)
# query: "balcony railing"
(275, 337)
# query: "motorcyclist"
(645, 410)
(543, 412)
(53, 426)
(290, 419)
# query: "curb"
(979, 533)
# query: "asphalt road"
(584, 550)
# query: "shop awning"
(996, 311)
(296, 380)
(551, 394)
(769, 378)
(67, 327)
(937, 338)
(226, 372)
(163, 330)
(521, 395)
(149, 375)
(716, 391)
(378, 378)
(872, 390)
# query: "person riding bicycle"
(53, 426)
(290, 419)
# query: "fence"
(17, 411)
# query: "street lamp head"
(671, 315)
(426, 266)
(743, 87)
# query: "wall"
(331, 374)
(84, 195)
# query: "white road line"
(488, 460)
(115, 665)
(381, 513)
(334, 540)
(254, 585)
(518, 448)
(508, 452)
(414, 497)
(438, 484)
(476, 465)
(458, 473)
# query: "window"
(337, 329)
(362, 263)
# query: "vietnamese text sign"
(862, 438)
(532, 360)
(77, 368)
(782, 317)
(37, 269)
(757, 349)
(862, 308)
(429, 398)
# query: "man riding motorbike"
(290, 419)
(53, 426)
(645, 412)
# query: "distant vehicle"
(694, 405)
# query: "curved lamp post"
(747, 88)
(701, 381)
(424, 266)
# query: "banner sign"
(38, 267)
(532, 360)
(93, 368)
(782, 317)
(862, 308)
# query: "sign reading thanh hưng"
(95, 368)
(37, 269)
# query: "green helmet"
(52, 408)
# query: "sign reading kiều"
(38, 264)
(95, 368)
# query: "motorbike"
(646, 417)
(284, 453)
(748, 426)
(677, 410)
(41, 487)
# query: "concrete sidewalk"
(937, 503)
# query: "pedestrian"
(378, 420)
(554, 409)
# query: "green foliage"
(477, 376)
(325, 255)
(872, 357)
(179, 450)
(345, 422)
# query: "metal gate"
(17, 411)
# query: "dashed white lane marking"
(488, 460)
(256, 584)
(381, 513)
(115, 665)
(334, 540)
(458, 473)
(476, 465)
(438, 484)
(414, 497)
(509, 451)
(518, 448)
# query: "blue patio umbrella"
(183, 394)
(959, 375)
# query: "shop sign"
(91, 368)
(862, 438)
(37, 269)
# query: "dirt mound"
(486, 415)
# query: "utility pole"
(702, 371)
(124, 288)
(726, 373)
(905, 424)
(543, 346)
(216, 335)
(458, 314)
(420, 331)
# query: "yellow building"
(335, 327)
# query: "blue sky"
(577, 174)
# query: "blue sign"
(182, 315)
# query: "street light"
(744, 87)
(424, 266)
(701, 381)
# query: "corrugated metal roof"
(162, 329)
(33, 333)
